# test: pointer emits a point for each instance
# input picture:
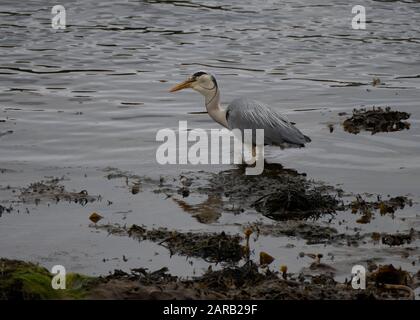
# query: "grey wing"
(250, 114)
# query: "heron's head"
(201, 81)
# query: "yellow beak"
(183, 85)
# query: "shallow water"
(93, 96)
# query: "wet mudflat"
(77, 136)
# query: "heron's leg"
(257, 153)
(249, 153)
(254, 160)
(238, 152)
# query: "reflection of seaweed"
(376, 120)
(278, 193)
(205, 212)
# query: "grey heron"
(244, 113)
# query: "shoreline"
(27, 281)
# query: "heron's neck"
(213, 107)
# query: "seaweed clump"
(212, 247)
(51, 190)
(297, 201)
(313, 233)
(399, 239)
(376, 120)
(367, 208)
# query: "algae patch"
(27, 281)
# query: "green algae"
(27, 281)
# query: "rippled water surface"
(92, 96)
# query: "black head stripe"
(214, 80)
(199, 73)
